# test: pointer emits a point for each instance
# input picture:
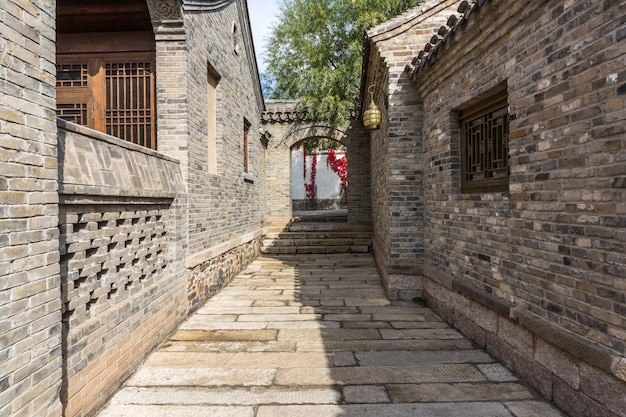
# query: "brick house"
(498, 189)
(142, 200)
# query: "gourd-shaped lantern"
(372, 116)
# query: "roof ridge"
(441, 35)
(402, 18)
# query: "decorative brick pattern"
(107, 256)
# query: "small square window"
(484, 144)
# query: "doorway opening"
(319, 175)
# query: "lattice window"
(73, 112)
(129, 112)
(109, 91)
(72, 75)
(484, 145)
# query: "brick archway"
(285, 126)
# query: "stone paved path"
(314, 336)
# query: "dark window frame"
(246, 158)
(484, 131)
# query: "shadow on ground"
(314, 336)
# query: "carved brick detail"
(164, 9)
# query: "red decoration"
(339, 167)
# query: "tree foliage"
(315, 51)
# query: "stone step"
(327, 227)
(318, 235)
(317, 242)
(293, 250)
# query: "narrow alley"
(314, 335)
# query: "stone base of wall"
(581, 378)
(211, 275)
(400, 282)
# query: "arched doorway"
(319, 176)
(285, 127)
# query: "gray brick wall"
(123, 286)
(550, 251)
(30, 331)
(397, 148)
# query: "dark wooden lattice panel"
(105, 89)
(72, 75)
(129, 102)
(484, 144)
(73, 112)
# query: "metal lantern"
(372, 116)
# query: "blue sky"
(262, 15)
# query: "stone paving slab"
(314, 336)
(460, 409)
(415, 393)
(177, 411)
(400, 358)
(370, 375)
(227, 396)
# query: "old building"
(139, 172)
(498, 183)
(144, 198)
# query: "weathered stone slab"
(378, 375)
(420, 334)
(279, 360)
(431, 357)
(224, 335)
(344, 359)
(175, 410)
(465, 409)
(419, 325)
(176, 376)
(533, 409)
(496, 372)
(280, 317)
(230, 346)
(376, 345)
(329, 334)
(198, 323)
(365, 394)
(227, 396)
(303, 325)
(188, 359)
(409, 393)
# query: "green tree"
(315, 51)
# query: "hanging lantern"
(372, 116)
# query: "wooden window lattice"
(129, 103)
(73, 112)
(485, 148)
(72, 75)
(111, 93)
